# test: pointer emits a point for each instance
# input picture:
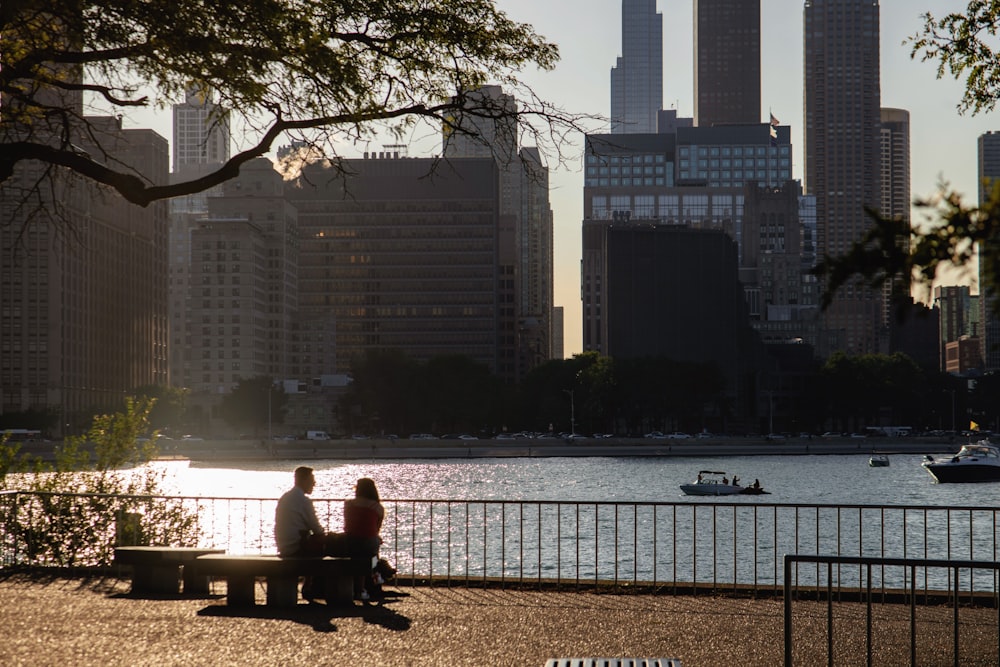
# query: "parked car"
(677, 435)
(655, 434)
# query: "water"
(811, 479)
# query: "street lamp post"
(572, 411)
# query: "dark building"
(726, 62)
(83, 283)
(989, 173)
(843, 151)
(674, 292)
(914, 332)
(407, 254)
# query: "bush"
(96, 495)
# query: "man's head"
(304, 479)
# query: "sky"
(588, 33)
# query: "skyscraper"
(490, 130)
(726, 62)
(842, 151)
(404, 254)
(989, 173)
(895, 189)
(83, 283)
(637, 78)
(201, 145)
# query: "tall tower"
(988, 150)
(201, 144)
(842, 125)
(726, 62)
(201, 131)
(490, 129)
(637, 78)
(895, 189)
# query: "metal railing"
(692, 547)
(913, 573)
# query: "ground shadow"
(317, 615)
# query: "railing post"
(787, 594)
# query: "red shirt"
(363, 517)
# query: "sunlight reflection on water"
(829, 479)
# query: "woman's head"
(365, 488)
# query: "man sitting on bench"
(297, 531)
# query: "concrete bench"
(281, 575)
(160, 569)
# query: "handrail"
(662, 546)
(908, 591)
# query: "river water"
(808, 479)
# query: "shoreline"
(611, 447)
(377, 449)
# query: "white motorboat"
(878, 461)
(975, 462)
(715, 483)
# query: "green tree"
(255, 403)
(169, 406)
(318, 71)
(380, 396)
(458, 393)
(862, 389)
(962, 45)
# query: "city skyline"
(943, 142)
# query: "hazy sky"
(588, 32)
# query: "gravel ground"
(81, 622)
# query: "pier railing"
(930, 627)
(665, 546)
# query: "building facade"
(895, 192)
(726, 62)
(243, 285)
(201, 144)
(489, 130)
(988, 157)
(83, 291)
(637, 77)
(958, 317)
(404, 253)
(694, 177)
(842, 150)
(674, 292)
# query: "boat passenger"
(736, 480)
(699, 478)
(756, 484)
(725, 480)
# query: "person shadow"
(319, 616)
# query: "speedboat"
(715, 483)
(975, 462)
(878, 461)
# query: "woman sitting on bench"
(363, 517)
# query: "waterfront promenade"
(62, 622)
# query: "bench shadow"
(317, 615)
(142, 595)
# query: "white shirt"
(294, 514)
